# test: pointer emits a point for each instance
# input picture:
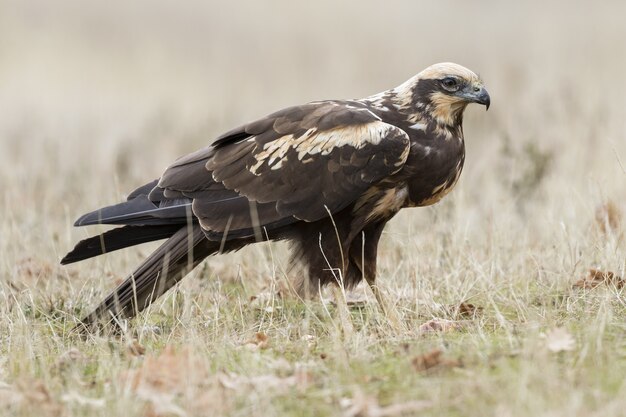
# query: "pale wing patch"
(314, 142)
(419, 126)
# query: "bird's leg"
(385, 308)
(363, 255)
(317, 262)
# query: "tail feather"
(140, 211)
(158, 273)
(119, 238)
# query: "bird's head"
(443, 91)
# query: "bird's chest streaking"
(433, 167)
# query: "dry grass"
(93, 101)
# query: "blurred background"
(97, 98)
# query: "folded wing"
(301, 163)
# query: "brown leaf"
(440, 325)
(134, 348)
(427, 360)
(170, 371)
(260, 341)
(465, 310)
(608, 217)
(433, 359)
(595, 277)
(261, 338)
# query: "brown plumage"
(326, 176)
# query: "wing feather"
(296, 164)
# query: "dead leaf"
(595, 277)
(260, 341)
(559, 340)
(427, 360)
(170, 371)
(439, 325)
(608, 217)
(134, 348)
(433, 359)
(465, 310)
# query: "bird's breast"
(433, 171)
(439, 191)
(381, 202)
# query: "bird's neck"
(438, 117)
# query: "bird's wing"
(301, 163)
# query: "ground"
(509, 292)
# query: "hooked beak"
(477, 94)
(481, 96)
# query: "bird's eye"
(450, 83)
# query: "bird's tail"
(119, 238)
(167, 265)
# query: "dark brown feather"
(116, 239)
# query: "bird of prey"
(326, 176)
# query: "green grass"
(308, 366)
